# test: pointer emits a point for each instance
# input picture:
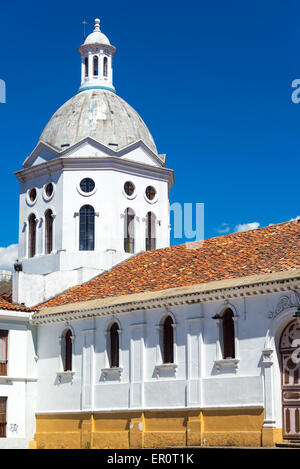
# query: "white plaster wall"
(20, 387)
(196, 383)
(109, 202)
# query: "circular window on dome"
(129, 188)
(49, 188)
(87, 185)
(32, 193)
(150, 193)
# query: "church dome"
(99, 114)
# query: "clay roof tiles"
(274, 248)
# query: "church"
(109, 337)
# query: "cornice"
(101, 162)
(213, 291)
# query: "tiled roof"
(275, 248)
(6, 303)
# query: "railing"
(3, 368)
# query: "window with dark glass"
(105, 67)
(31, 235)
(168, 341)
(150, 231)
(48, 231)
(129, 231)
(32, 194)
(114, 345)
(3, 352)
(86, 228)
(87, 185)
(128, 188)
(228, 334)
(150, 192)
(95, 65)
(49, 189)
(86, 66)
(67, 350)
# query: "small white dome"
(96, 37)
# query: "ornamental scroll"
(285, 302)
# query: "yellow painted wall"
(154, 429)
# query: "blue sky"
(212, 80)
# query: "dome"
(96, 37)
(99, 114)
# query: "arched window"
(150, 231)
(86, 66)
(86, 228)
(129, 230)
(32, 235)
(114, 345)
(168, 341)
(95, 65)
(228, 334)
(105, 67)
(48, 231)
(66, 350)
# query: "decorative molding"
(165, 367)
(267, 356)
(56, 314)
(227, 362)
(115, 370)
(65, 374)
(285, 302)
(9, 379)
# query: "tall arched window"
(48, 231)
(86, 66)
(114, 345)
(95, 65)
(228, 334)
(32, 235)
(66, 350)
(86, 228)
(129, 230)
(105, 67)
(168, 341)
(150, 231)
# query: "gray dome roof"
(99, 114)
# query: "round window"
(150, 192)
(87, 185)
(32, 194)
(129, 188)
(49, 189)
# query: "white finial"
(97, 25)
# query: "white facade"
(19, 385)
(199, 378)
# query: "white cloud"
(8, 257)
(224, 228)
(246, 226)
(295, 219)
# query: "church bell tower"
(94, 191)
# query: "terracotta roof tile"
(6, 303)
(274, 248)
